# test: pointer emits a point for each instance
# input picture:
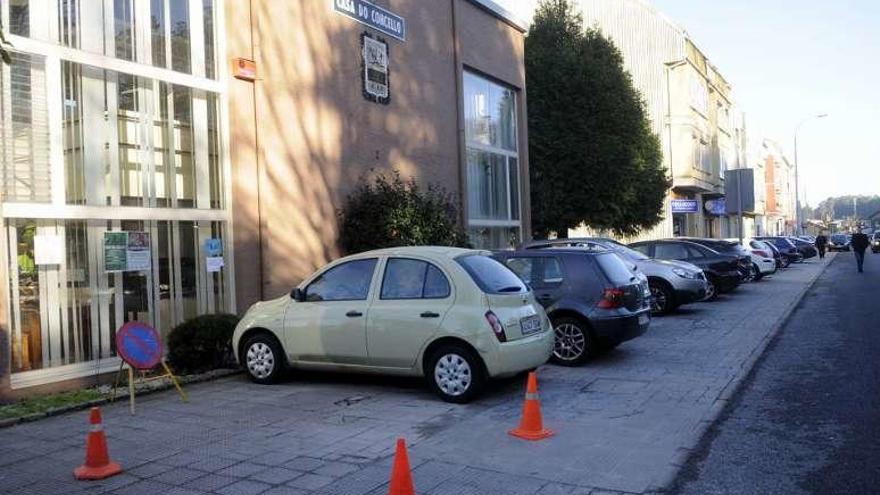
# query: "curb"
(184, 380)
(720, 403)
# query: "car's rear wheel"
(455, 373)
(785, 262)
(573, 343)
(263, 358)
(756, 272)
(711, 288)
(662, 298)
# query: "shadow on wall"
(318, 135)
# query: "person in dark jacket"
(859, 244)
(821, 244)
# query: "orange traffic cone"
(98, 464)
(401, 478)
(531, 427)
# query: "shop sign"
(376, 83)
(685, 206)
(716, 206)
(127, 252)
(376, 17)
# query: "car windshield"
(491, 276)
(838, 238)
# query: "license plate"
(644, 319)
(530, 324)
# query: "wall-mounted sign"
(715, 206)
(685, 206)
(244, 69)
(373, 16)
(375, 78)
(48, 249)
(213, 247)
(214, 263)
(127, 252)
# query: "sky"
(791, 59)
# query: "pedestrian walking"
(859, 244)
(821, 244)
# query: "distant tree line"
(841, 207)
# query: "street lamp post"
(799, 229)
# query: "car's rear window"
(614, 268)
(490, 275)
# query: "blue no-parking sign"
(139, 345)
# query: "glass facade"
(87, 149)
(493, 183)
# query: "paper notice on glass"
(214, 263)
(48, 250)
(138, 260)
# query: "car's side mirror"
(298, 295)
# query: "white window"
(699, 94)
(492, 163)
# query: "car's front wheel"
(573, 342)
(455, 373)
(263, 358)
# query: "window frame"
(428, 265)
(513, 220)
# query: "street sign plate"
(139, 345)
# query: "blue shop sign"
(374, 16)
(685, 206)
(716, 206)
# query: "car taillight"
(496, 326)
(612, 298)
(763, 254)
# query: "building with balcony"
(164, 159)
(690, 105)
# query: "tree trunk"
(562, 232)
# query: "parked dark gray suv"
(592, 297)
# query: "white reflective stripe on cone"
(530, 396)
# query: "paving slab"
(624, 422)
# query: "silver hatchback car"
(672, 283)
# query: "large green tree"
(593, 157)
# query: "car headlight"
(681, 272)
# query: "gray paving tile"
(310, 481)
(304, 463)
(275, 475)
(211, 482)
(336, 469)
(242, 469)
(178, 476)
(244, 487)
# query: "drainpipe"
(258, 148)
(459, 103)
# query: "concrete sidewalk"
(624, 423)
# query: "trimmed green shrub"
(389, 211)
(202, 343)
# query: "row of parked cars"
(459, 317)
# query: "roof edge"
(502, 14)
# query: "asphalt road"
(807, 420)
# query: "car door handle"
(544, 297)
(354, 314)
(430, 314)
